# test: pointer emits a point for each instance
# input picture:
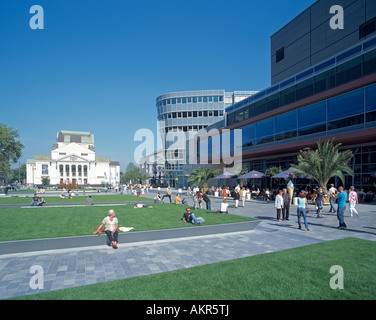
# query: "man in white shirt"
(332, 196)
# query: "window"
(215, 99)
(369, 63)
(248, 135)
(280, 55)
(312, 114)
(325, 81)
(349, 71)
(194, 99)
(173, 101)
(348, 104)
(288, 96)
(312, 129)
(367, 28)
(265, 128)
(205, 99)
(239, 115)
(304, 89)
(199, 99)
(272, 102)
(44, 168)
(184, 100)
(371, 98)
(259, 107)
(286, 125)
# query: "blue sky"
(99, 65)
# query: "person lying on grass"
(189, 216)
(111, 225)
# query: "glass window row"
(192, 114)
(201, 99)
(349, 71)
(349, 111)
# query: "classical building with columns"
(73, 161)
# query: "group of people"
(340, 197)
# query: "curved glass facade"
(190, 111)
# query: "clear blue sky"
(99, 65)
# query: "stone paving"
(67, 268)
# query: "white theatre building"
(73, 161)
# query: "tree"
(45, 181)
(10, 149)
(132, 173)
(201, 175)
(324, 163)
(272, 171)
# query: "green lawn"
(295, 274)
(47, 222)
(75, 199)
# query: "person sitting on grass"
(190, 217)
(40, 202)
(89, 201)
(35, 200)
(224, 206)
(111, 225)
(179, 201)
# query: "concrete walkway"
(75, 266)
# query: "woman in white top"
(353, 201)
(224, 206)
(279, 204)
(111, 225)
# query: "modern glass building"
(333, 98)
(187, 112)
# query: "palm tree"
(324, 163)
(201, 175)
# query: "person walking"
(341, 202)
(353, 201)
(301, 211)
(236, 198)
(278, 204)
(244, 196)
(332, 197)
(286, 205)
(318, 201)
(168, 194)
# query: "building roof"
(43, 157)
(115, 163)
(102, 159)
(67, 136)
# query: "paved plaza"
(76, 266)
